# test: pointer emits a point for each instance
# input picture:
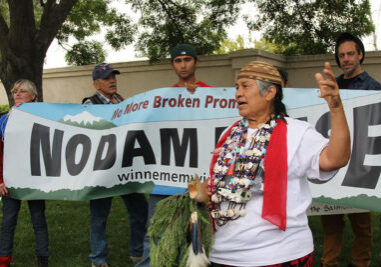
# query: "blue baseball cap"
(103, 70)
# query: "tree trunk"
(11, 72)
(23, 47)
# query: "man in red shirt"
(184, 62)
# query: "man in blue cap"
(104, 81)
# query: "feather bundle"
(173, 236)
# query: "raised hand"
(329, 90)
(338, 151)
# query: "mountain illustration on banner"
(87, 120)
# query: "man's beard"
(349, 73)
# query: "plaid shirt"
(104, 99)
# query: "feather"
(199, 260)
(194, 233)
(194, 239)
(172, 230)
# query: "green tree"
(166, 23)
(27, 28)
(85, 52)
(310, 27)
(231, 45)
(266, 45)
(87, 18)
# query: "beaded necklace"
(236, 169)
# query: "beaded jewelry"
(236, 169)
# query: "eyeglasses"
(19, 91)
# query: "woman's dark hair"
(284, 75)
(279, 107)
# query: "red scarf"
(274, 207)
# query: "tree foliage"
(303, 27)
(231, 45)
(89, 17)
(85, 52)
(166, 23)
(27, 28)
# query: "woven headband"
(260, 70)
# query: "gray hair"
(279, 107)
(27, 85)
(263, 85)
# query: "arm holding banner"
(337, 153)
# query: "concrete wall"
(71, 84)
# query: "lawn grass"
(68, 224)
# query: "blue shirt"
(3, 124)
(361, 82)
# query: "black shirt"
(361, 82)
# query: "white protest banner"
(159, 139)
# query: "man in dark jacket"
(349, 54)
(104, 80)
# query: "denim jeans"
(153, 200)
(11, 209)
(137, 206)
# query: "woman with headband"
(258, 187)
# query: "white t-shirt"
(253, 241)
